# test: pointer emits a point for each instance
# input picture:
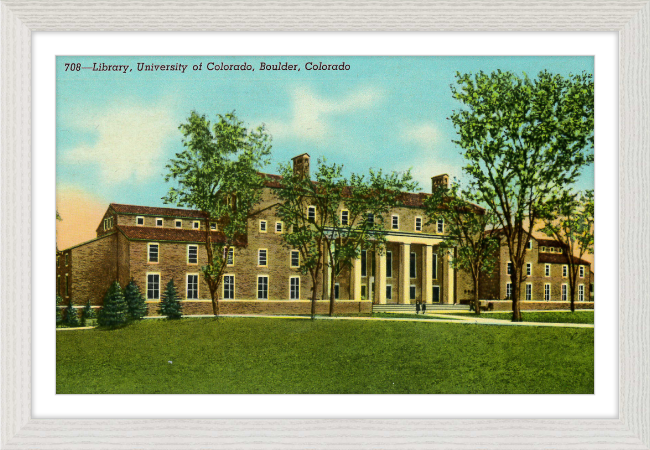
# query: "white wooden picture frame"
(631, 19)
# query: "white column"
(427, 273)
(450, 280)
(380, 277)
(356, 279)
(405, 274)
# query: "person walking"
(417, 307)
(424, 308)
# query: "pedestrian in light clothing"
(417, 307)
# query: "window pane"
(364, 263)
(412, 266)
(192, 254)
(263, 288)
(389, 264)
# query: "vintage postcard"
(325, 225)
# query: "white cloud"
(129, 141)
(423, 135)
(310, 112)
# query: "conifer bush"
(89, 315)
(59, 313)
(135, 301)
(71, 317)
(170, 305)
(115, 311)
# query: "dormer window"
(179, 223)
(139, 221)
(159, 222)
(196, 225)
(213, 226)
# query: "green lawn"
(410, 316)
(259, 355)
(549, 317)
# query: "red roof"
(560, 259)
(155, 211)
(173, 234)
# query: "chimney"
(301, 165)
(439, 181)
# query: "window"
(153, 286)
(389, 292)
(159, 222)
(153, 253)
(294, 288)
(192, 254)
(192, 286)
(582, 271)
(262, 226)
(441, 225)
(434, 266)
(337, 290)
(529, 291)
(581, 292)
(213, 226)
(509, 268)
(345, 217)
(261, 257)
(311, 213)
(565, 271)
(371, 219)
(389, 264)
(65, 258)
(105, 222)
(529, 245)
(139, 220)
(547, 270)
(364, 263)
(529, 269)
(262, 287)
(178, 223)
(58, 284)
(230, 259)
(508, 291)
(67, 285)
(412, 268)
(395, 222)
(547, 292)
(564, 292)
(418, 224)
(295, 258)
(228, 287)
(364, 291)
(58, 261)
(196, 225)
(278, 227)
(543, 249)
(412, 292)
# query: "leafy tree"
(170, 305)
(525, 142)
(71, 316)
(324, 240)
(135, 301)
(115, 311)
(218, 173)
(571, 222)
(88, 314)
(59, 314)
(470, 231)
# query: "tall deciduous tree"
(571, 221)
(324, 239)
(218, 173)
(525, 142)
(470, 230)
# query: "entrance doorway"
(435, 297)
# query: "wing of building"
(152, 245)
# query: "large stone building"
(152, 245)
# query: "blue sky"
(115, 131)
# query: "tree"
(322, 238)
(88, 314)
(59, 314)
(218, 174)
(115, 310)
(170, 306)
(71, 316)
(571, 222)
(135, 301)
(525, 142)
(470, 231)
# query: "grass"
(548, 317)
(275, 356)
(410, 316)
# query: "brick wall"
(289, 307)
(506, 305)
